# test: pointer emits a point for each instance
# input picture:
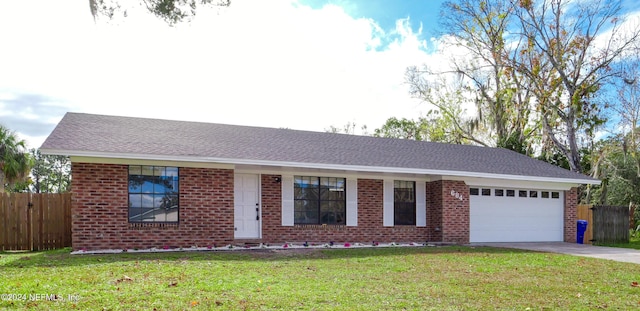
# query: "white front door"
(247, 206)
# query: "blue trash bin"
(582, 227)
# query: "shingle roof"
(86, 134)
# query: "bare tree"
(628, 109)
(483, 76)
(568, 52)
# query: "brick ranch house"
(145, 183)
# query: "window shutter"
(421, 204)
(352, 202)
(287, 200)
(387, 207)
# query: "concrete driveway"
(585, 250)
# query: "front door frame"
(258, 179)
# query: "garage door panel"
(516, 219)
(518, 213)
(518, 236)
(524, 226)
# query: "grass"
(421, 278)
(634, 242)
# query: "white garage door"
(515, 215)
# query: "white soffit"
(471, 177)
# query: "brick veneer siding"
(100, 210)
(434, 210)
(369, 229)
(570, 215)
(448, 206)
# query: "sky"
(299, 64)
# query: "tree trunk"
(573, 155)
(632, 212)
(2, 182)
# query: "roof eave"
(376, 169)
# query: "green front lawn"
(634, 242)
(438, 278)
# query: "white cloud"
(264, 63)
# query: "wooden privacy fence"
(35, 221)
(607, 224)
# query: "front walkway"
(585, 250)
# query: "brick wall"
(369, 229)
(271, 206)
(448, 210)
(100, 210)
(434, 210)
(570, 215)
(100, 213)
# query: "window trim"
(319, 200)
(129, 193)
(414, 203)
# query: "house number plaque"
(456, 195)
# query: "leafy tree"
(402, 128)
(51, 173)
(617, 161)
(431, 128)
(567, 51)
(15, 162)
(171, 11)
(618, 172)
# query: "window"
(499, 192)
(533, 194)
(522, 193)
(404, 202)
(545, 194)
(319, 200)
(511, 193)
(486, 192)
(474, 191)
(555, 195)
(153, 193)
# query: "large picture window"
(319, 200)
(404, 202)
(153, 193)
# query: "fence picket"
(14, 223)
(46, 230)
